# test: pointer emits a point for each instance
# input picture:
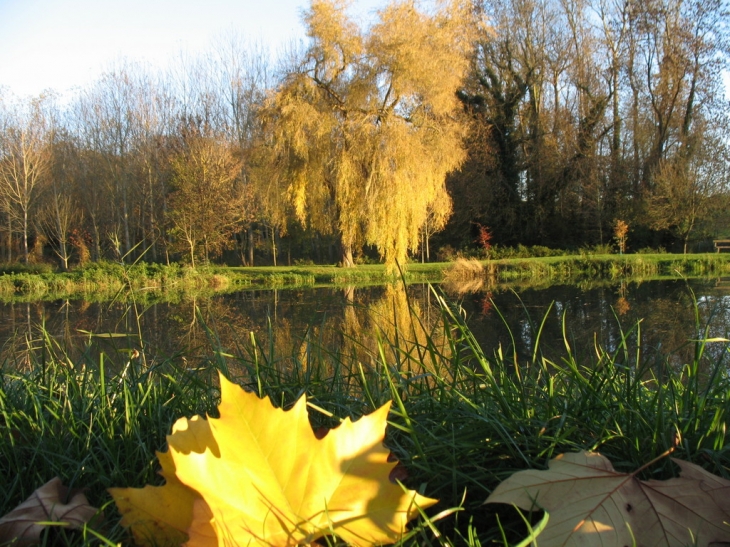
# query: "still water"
(657, 318)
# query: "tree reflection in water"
(400, 327)
(657, 319)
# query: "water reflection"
(356, 321)
(655, 318)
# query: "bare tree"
(59, 211)
(25, 160)
(206, 204)
(110, 130)
(242, 74)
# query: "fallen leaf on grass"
(259, 475)
(591, 504)
(159, 516)
(48, 504)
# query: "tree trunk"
(250, 245)
(97, 240)
(423, 247)
(349, 291)
(273, 245)
(153, 228)
(346, 260)
(61, 233)
(125, 215)
(10, 239)
(25, 237)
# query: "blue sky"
(62, 44)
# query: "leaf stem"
(652, 462)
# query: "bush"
(101, 269)
(465, 276)
(540, 251)
(39, 268)
(446, 254)
(650, 251)
(522, 251)
(601, 249)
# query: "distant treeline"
(558, 123)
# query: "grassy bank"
(614, 266)
(463, 418)
(106, 280)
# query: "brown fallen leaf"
(591, 504)
(47, 504)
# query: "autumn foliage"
(260, 476)
(366, 126)
(589, 503)
(484, 237)
(50, 504)
(620, 232)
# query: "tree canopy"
(417, 127)
(366, 124)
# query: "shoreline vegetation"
(108, 280)
(463, 419)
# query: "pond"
(656, 318)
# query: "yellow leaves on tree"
(591, 504)
(258, 476)
(366, 126)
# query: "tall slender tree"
(59, 212)
(25, 161)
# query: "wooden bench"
(722, 245)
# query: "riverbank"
(463, 418)
(106, 280)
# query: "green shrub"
(18, 268)
(651, 251)
(599, 249)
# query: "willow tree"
(366, 125)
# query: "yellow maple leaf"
(160, 516)
(258, 475)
